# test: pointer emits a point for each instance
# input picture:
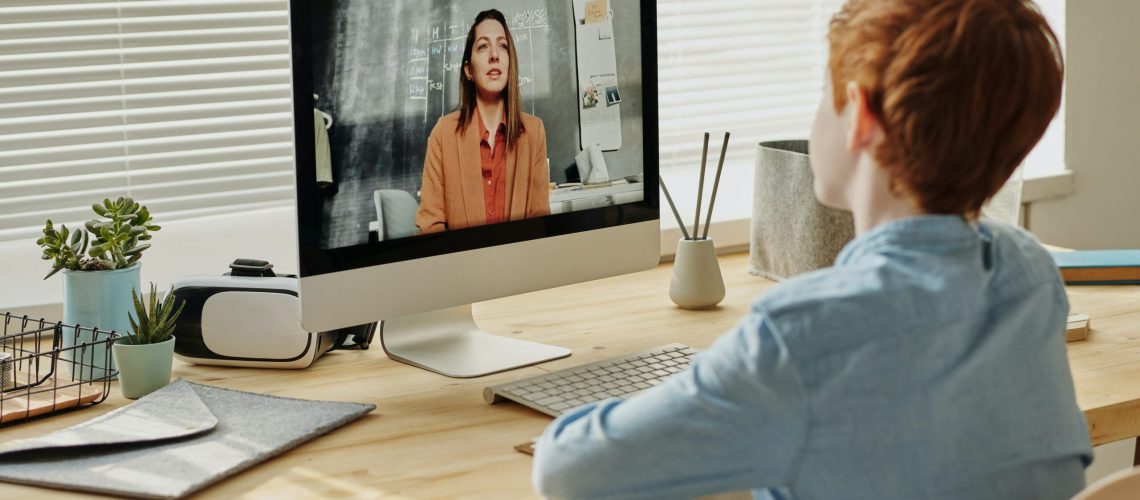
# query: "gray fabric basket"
(792, 233)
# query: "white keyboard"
(556, 392)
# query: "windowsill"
(1048, 186)
(204, 246)
(208, 245)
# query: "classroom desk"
(432, 437)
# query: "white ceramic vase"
(697, 282)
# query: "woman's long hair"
(512, 105)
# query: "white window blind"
(182, 104)
(1048, 157)
(754, 68)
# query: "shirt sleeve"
(735, 420)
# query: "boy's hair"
(963, 90)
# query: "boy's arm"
(735, 420)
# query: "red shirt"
(494, 162)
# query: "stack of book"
(1099, 267)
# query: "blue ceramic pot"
(99, 299)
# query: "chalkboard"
(386, 70)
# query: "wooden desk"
(432, 437)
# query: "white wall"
(1102, 131)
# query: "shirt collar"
(483, 132)
(929, 232)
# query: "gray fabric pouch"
(172, 442)
(792, 233)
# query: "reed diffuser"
(697, 282)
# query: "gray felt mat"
(172, 442)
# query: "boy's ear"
(863, 130)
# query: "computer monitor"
(412, 204)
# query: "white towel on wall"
(324, 152)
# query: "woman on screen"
(485, 163)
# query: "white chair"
(396, 213)
(1123, 485)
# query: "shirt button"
(488, 183)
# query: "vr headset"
(251, 317)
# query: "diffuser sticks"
(696, 234)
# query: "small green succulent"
(153, 322)
(114, 240)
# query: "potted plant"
(145, 355)
(100, 265)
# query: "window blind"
(754, 68)
(182, 104)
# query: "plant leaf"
(53, 271)
(140, 310)
(137, 250)
(107, 203)
(99, 209)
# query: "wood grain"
(49, 396)
(433, 437)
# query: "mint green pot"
(144, 368)
(100, 299)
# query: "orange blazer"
(451, 196)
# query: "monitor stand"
(449, 343)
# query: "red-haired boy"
(929, 362)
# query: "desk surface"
(432, 437)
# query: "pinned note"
(597, 11)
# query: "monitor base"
(449, 343)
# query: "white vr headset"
(251, 317)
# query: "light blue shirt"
(929, 362)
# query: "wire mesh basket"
(47, 367)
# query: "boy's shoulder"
(895, 290)
(1021, 262)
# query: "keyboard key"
(561, 406)
(549, 401)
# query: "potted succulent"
(100, 265)
(145, 355)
